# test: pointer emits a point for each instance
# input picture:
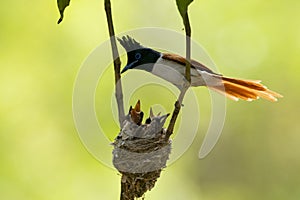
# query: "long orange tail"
(248, 90)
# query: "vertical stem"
(176, 111)
(171, 126)
(179, 101)
(117, 62)
(188, 47)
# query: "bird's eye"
(138, 56)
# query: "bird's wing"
(194, 64)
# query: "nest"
(140, 153)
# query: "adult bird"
(171, 67)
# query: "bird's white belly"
(169, 71)
(175, 73)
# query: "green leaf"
(183, 6)
(62, 4)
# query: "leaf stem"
(187, 25)
(177, 108)
(179, 101)
(117, 62)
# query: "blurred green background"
(257, 156)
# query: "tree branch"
(179, 101)
(117, 62)
(187, 25)
(175, 113)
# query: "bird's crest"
(129, 43)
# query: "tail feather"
(245, 89)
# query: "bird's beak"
(129, 66)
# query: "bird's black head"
(138, 56)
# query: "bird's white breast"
(170, 71)
(175, 73)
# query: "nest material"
(140, 153)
